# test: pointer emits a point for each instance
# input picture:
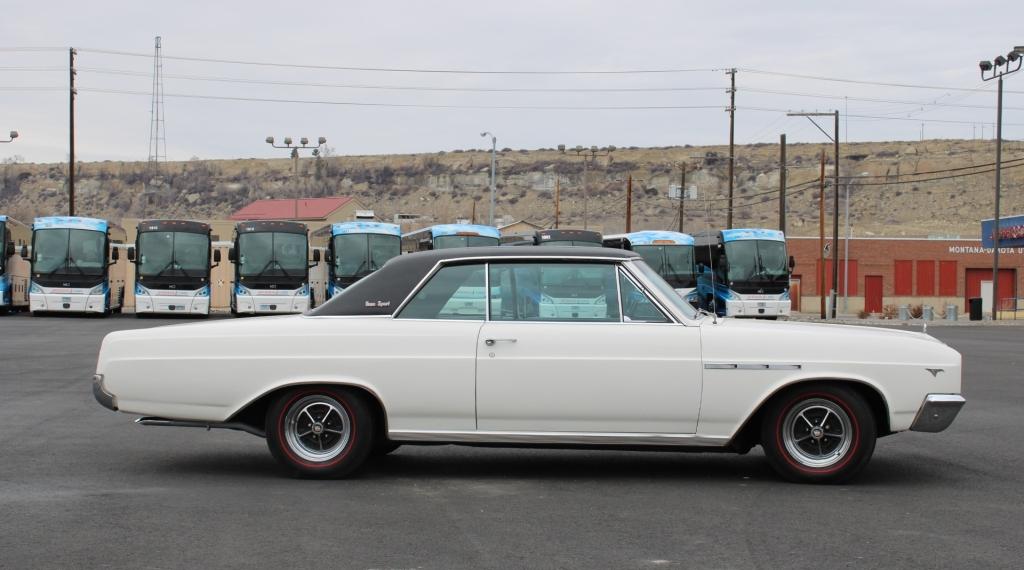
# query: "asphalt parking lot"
(83, 487)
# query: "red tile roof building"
(316, 209)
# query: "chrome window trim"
(750, 366)
(668, 319)
(487, 259)
(563, 438)
(653, 294)
(618, 293)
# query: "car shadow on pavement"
(460, 463)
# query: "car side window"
(556, 292)
(637, 307)
(454, 292)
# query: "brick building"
(895, 271)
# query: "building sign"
(1011, 232)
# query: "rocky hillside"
(449, 185)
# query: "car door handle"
(491, 341)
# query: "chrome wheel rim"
(817, 433)
(317, 428)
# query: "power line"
(898, 182)
(863, 82)
(876, 100)
(883, 118)
(403, 87)
(411, 105)
(404, 70)
(960, 168)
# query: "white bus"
(668, 253)
(743, 273)
(357, 249)
(76, 266)
(14, 270)
(443, 236)
(172, 267)
(271, 268)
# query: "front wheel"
(818, 433)
(320, 432)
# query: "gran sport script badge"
(935, 371)
(379, 304)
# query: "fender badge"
(935, 371)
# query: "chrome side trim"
(149, 421)
(937, 412)
(562, 438)
(750, 366)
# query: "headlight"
(35, 289)
(242, 290)
(140, 290)
(99, 289)
(785, 295)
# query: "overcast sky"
(936, 43)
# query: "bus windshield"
(446, 242)
(357, 255)
(272, 254)
(173, 253)
(757, 261)
(673, 262)
(69, 251)
(570, 242)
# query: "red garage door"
(1007, 280)
(873, 293)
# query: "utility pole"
(682, 195)
(835, 219)
(1015, 56)
(472, 216)
(558, 199)
(71, 133)
(821, 234)
(782, 183)
(629, 203)
(732, 138)
(494, 152)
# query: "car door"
(563, 351)
(430, 366)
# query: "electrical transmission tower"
(157, 123)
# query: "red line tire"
(818, 433)
(320, 432)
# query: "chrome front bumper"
(106, 399)
(937, 412)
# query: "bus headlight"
(242, 290)
(140, 290)
(99, 289)
(35, 289)
(785, 295)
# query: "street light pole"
(494, 152)
(998, 68)
(13, 135)
(303, 144)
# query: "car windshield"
(673, 262)
(356, 255)
(272, 254)
(446, 242)
(756, 260)
(665, 289)
(173, 254)
(69, 251)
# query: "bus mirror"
(328, 257)
(216, 256)
(131, 254)
(24, 252)
(231, 254)
(115, 254)
(316, 256)
(9, 250)
(700, 268)
(792, 263)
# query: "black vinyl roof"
(381, 292)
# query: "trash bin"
(928, 313)
(904, 313)
(951, 312)
(975, 308)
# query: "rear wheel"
(320, 431)
(818, 433)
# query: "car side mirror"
(24, 252)
(232, 256)
(216, 256)
(131, 254)
(792, 263)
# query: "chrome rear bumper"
(937, 412)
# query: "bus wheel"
(320, 432)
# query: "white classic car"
(554, 347)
